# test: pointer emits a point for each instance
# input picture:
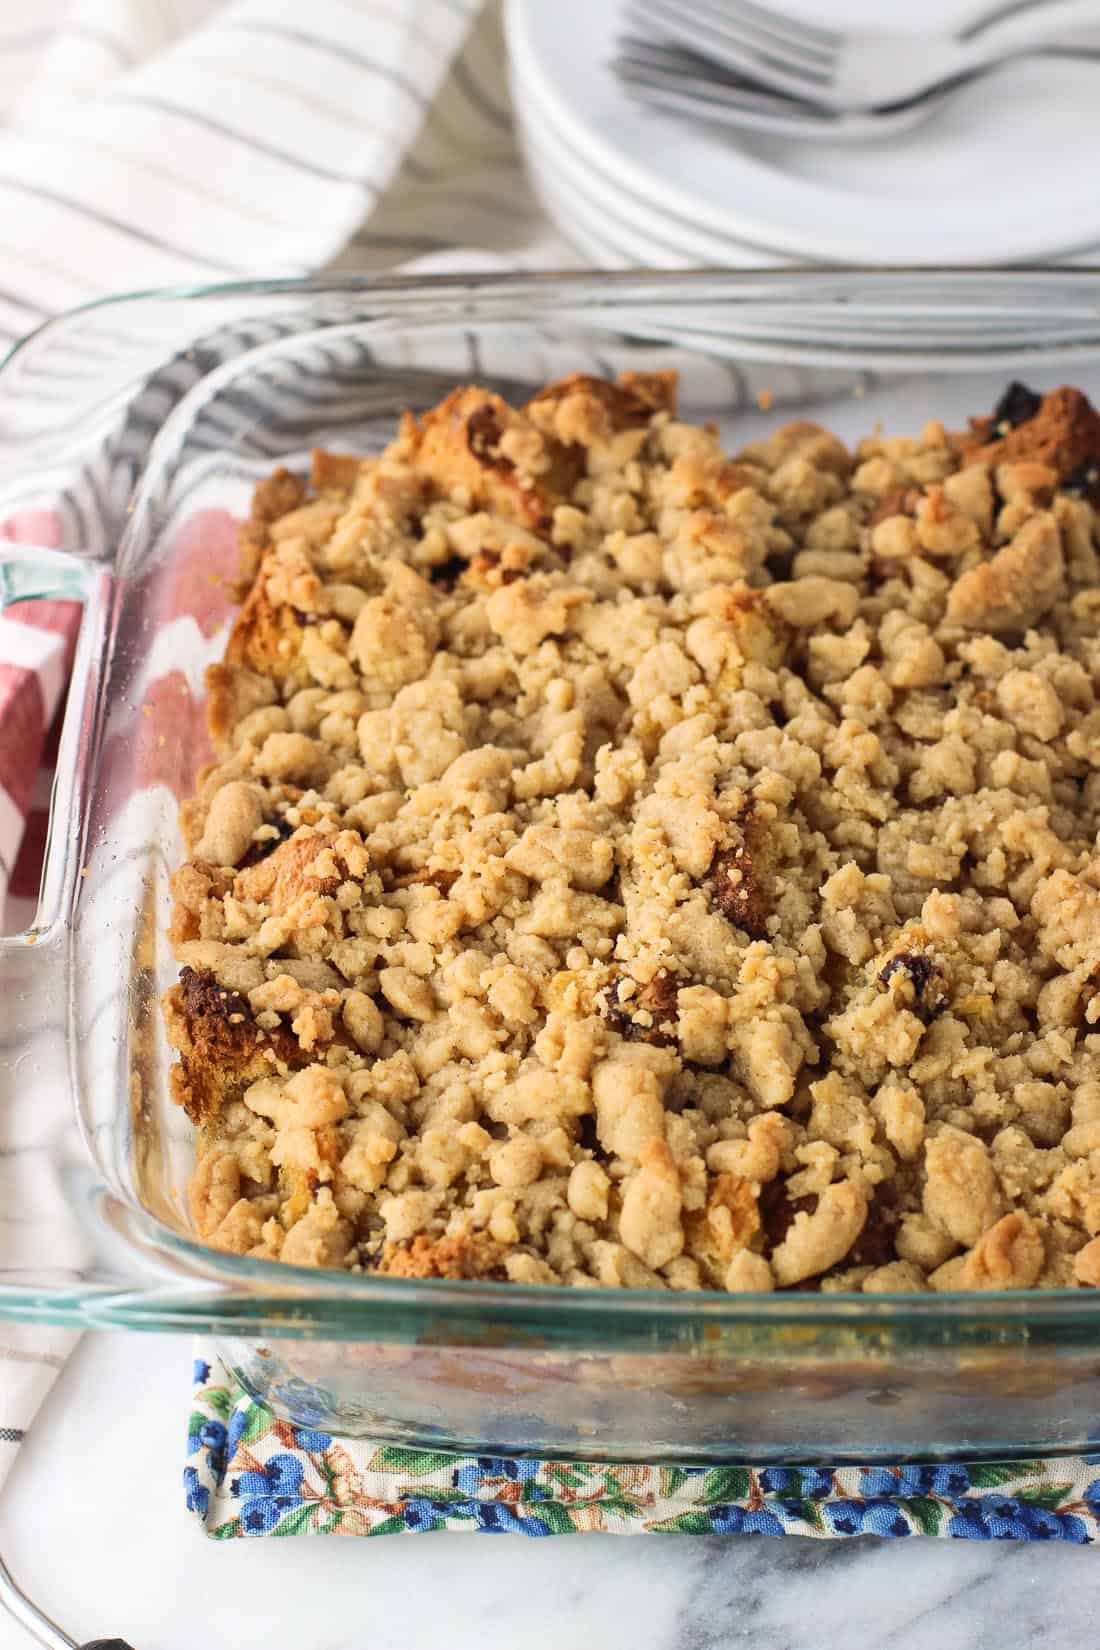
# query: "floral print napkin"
(249, 1474)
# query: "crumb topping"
(627, 864)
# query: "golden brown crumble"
(626, 864)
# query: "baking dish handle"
(51, 1262)
(80, 1253)
(30, 572)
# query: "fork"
(859, 71)
(681, 83)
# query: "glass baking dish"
(130, 435)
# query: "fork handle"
(1033, 27)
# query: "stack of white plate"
(999, 176)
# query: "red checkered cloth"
(36, 652)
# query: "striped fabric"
(36, 644)
(149, 144)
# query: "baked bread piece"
(629, 865)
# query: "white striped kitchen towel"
(150, 143)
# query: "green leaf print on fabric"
(724, 1484)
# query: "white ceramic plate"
(611, 242)
(607, 245)
(815, 335)
(574, 198)
(669, 241)
(986, 182)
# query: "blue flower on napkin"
(198, 1496)
(260, 1515)
(306, 1438)
(421, 1514)
(1044, 1525)
(1005, 1518)
(814, 1483)
(948, 1481)
(237, 1423)
(282, 1475)
(472, 1477)
(877, 1516)
(493, 1518)
(200, 1373)
(882, 1517)
(268, 1493)
(212, 1437)
(743, 1521)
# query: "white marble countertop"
(92, 1522)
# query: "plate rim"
(602, 189)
